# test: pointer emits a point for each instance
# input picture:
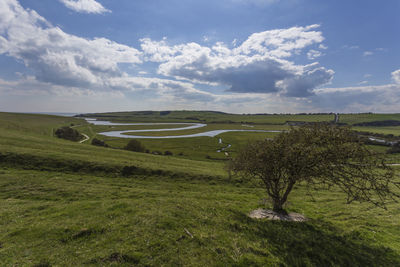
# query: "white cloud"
(85, 6)
(313, 54)
(259, 73)
(363, 82)
(367, 75)
(382, 98)
(234, 42)
(30, 86)
(55, 56)
(351, 47)
(368, 53)
(259, 65)
(396, 76)
(322, 46)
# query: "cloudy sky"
(240, 56)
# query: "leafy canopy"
(321, 156)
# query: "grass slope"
(64, 203)
(59, 219)
(36, 144)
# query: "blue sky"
(240, 56)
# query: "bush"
(394, 149)
(318, 156)
(68, 133)
(97, 142)
(135, 145)
(168, 153)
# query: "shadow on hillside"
(315, 243)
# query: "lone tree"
(320, 156)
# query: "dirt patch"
(272, 215)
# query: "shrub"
(168, 153)
(319, 156)
(394, 149)
(97, 142)
(135, 145)
(68, 133)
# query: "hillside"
(63, 203)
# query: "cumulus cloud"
(396, 76)
(30, 86)
(259, 65)
(382, 98)
(85, 6)
(55, 56)
(259, 74)
(322, 46)
(313, 54)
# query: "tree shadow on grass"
(315, 243)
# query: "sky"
(238, 56)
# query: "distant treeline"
(379, 123)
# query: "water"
(123, 134)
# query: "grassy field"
(207, 117)
(64, 203)
(63, 220)
(204, 148)
(39, 145)
(395, 130)
(366, 117)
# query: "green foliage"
(68, 133)
(394, 149)
(168, 153)
(322, 156)
(135, 145)
(97, 142)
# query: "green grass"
(64, 204)
(35, 123)
(366, 117)
(26, 138)
(207, 117)
(395, 130)
(65, 220)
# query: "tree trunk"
(278, 206)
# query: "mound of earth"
(272, 215)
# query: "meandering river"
(124, 134)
